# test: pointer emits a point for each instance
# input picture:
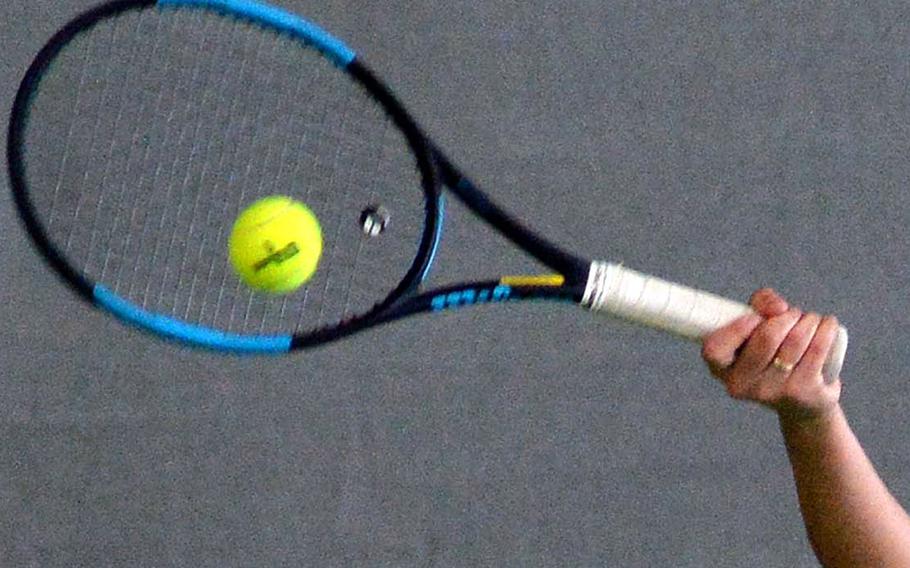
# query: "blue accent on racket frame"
(188, 333)
(437, 235)
(470, 297)
(279, 20)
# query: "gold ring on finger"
(779, 364)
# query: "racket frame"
(608, 288)
(435, 171)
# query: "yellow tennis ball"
(275, 244)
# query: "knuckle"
(710, 351)
(815, 351)
(794, 314)
(765, 340)
(767, 394)
(762, 293)
(803, 330)
(771, 335)
(812, 318)
(736, 390)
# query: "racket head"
(79, 142)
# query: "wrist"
(798, 422)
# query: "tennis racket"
(143, 128)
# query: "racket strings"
(184, 168)
(233, 131)
(369, 167)
(282, 168)
(334, 263)
(187, 199)
(241, 305)
(346, 310)
(384, 156)
(140, 202)
(155, 129)
(208, 269)
(124, 211)
(161, 173)
(55, 201)
(94, 140)
(295, 173)
(144, 206)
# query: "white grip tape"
(681, 310)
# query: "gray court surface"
(723, 145)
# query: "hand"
(775, 358)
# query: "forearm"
(851, 517)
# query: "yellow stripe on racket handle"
(674, 308)
(541, 280)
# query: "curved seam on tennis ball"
(288, 203)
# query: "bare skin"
(851, 518)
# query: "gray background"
(719, 144)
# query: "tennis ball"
(275, 244)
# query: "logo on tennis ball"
(276, 256)
(275, 245)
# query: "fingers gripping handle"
(677, 309)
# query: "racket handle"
(684, 311)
